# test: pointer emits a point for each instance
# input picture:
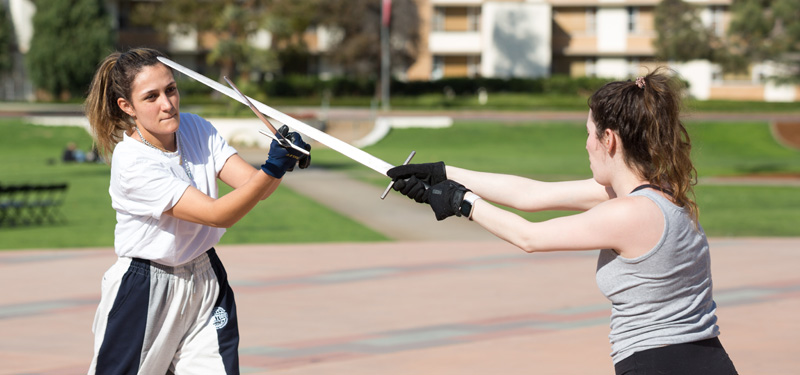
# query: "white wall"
(612, 67)
(698, 73)
(261, 39)
(516, 39)
(774, 92)
(182, 41)
(612, 29)
(443, 43)
(779, 93)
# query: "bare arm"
(631, 226)
(250, 186)
(236, 172)
(530, 195)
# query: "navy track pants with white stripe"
(155, 319)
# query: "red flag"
(387, 12)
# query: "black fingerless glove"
(445, 199)
(430, 173)
(413, 180)
(413, 188)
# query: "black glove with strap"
(304, 160)
(282, 159)
(445, 199)
(413, 180)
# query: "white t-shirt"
(145, 182)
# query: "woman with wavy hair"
(639, 209)
(166, 305)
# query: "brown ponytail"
(646, 115)
(113, 80)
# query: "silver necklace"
(182, 155)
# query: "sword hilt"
(408, 160)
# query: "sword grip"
(388, 188)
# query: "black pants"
(706, 357)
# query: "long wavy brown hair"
(113, 80)
(646, 115)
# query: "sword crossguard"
(283, 142)
(388, 188)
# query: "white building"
(604, 38)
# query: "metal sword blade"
(334, 143)
(252, 107)
(276, 134)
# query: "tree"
(234, 24)
(290, 20)
(70, 38)
(6, 41)
(762, 30)
(358, 22)
(681, 34)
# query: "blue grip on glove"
(280, 159)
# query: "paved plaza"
(408, 307)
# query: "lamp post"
(386, 16)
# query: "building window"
(591, 20)
(438, 19)
(633, 66)
(437, 71)
(456, 19)
(717, 25)
(591, 67)
(716, 74)
(633, 20)
(473, 66)
(473, 19)
(445, 66)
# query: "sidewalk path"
(403, 308)
(396, 217)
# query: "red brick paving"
(480, 307)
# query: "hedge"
(306, 86)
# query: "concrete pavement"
(396, 217)
(474, 307)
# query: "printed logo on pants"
(220, 318)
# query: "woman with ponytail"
(639, 209)
(166, 306)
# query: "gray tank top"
(662, 297)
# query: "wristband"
(468, 204)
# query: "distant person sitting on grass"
(654, 265)
(94, 155)
(166, 305)
(72, 154)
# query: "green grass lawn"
(556, 151)
(546, 151)
(722, 149)
(207, 106)
(31, 154)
